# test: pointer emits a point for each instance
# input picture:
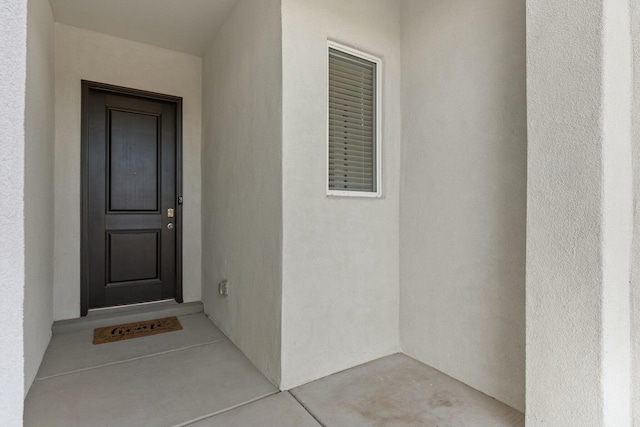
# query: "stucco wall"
(635, 270)
(340, 255)
(38, 200)
(82, 54)
(242, 181)
(463, 191)
(579, 213)
(617, 212)
(13, 46)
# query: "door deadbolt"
(170, 213)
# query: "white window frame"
(378, 124)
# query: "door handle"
(170, 226)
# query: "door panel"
(145, 262)
(131, 147)
(133, 152)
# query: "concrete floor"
(197, 377)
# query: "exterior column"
(13, 46)
(635, 270)
(579, 219)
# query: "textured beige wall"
(340, 256)
(38, 200)
(463, 191)
(242, 181)
(82, 54)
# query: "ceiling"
(182, 25)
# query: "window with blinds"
(353, 154)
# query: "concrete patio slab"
(399, 391)
(73, 351)
(197, 377)
(279, 410)
(157, 391)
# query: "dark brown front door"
(130, 197)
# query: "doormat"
(136, 330)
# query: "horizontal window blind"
(352, 123)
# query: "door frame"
(84, 182)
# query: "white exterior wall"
(13, 56)
(82, 54)
(242, 181)
(463, 193)
(340, 255)
(635, 267)
(579, 213)
(617, 212)
(38, 186)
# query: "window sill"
(355, 194)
